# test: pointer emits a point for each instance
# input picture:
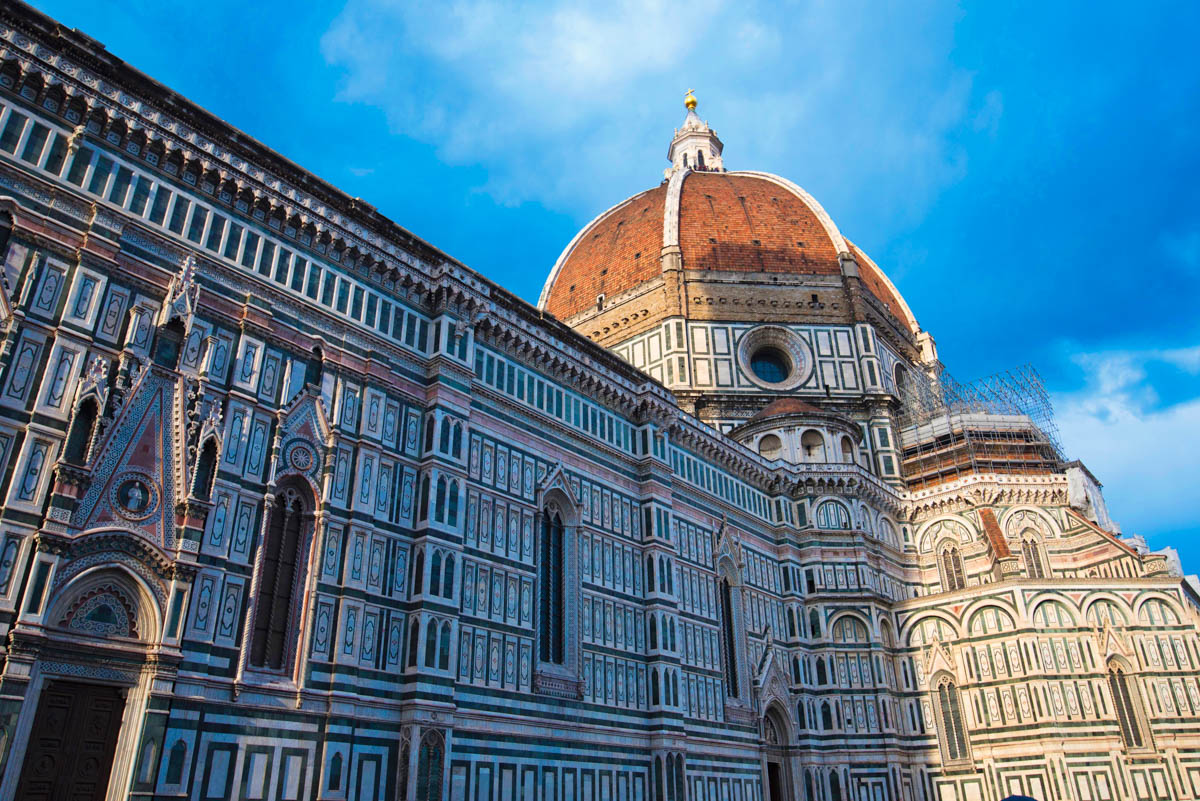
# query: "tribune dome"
(710, 244)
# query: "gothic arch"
(277, 614)
(1170, 602)
(776, 714)
(109, 600)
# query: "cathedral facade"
(293, 505)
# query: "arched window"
(423, 501)
(444, 648)
(1127, 717)
(954, 735)
(770, 446)
(435, 574)
(653, 632)
(168, 344)
(79, 439)
(314, 369)
(1033, 558)
(680, 794)
(335, 772)
(414, 640)
(902, 382)
(952, 569)
(439, 506)
(456, 448)
(430, 427)
(826, 717)
(279, 574)
(822, 677)
(832, 515)
(800, 721)
(452, 516)
(444, 437)
(431, 641)
(430, 758)
(835, 787)
(847, 450)
(658, 782)
(206, 468)
(448, 577)
(550, 568)
(175, 762)
(402, 773)
(727, 635)
(650, 571)
(813, 445)
(814, 623)
(418, 582)
(662, 575)
(654, 691)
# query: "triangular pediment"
(304, 437)
(939, 660)
(133, 483)
(556, 479)
(728, 545)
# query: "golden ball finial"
(690, 101)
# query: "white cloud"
(573, 106)
(1144, 452)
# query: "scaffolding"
(1003, 423)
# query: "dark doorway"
(70, 751)
(775, 779)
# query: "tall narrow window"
(79, 439)
(1118, 683)
(727, 629)
(429, 767)
(550, 569)
(954, 735)
(206, 467)
(952, 570)
(402, 772)
(279, 574)
(1033, 559)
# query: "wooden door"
(70, 751)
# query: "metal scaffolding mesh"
(1000, 423)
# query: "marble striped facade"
(432, 419)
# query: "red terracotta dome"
(719, 222)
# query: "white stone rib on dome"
(913, 325)
(671, 208)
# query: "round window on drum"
(771, 365)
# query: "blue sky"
(1025, 172)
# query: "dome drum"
(799, 433)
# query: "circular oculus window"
(774, 358)
(771, 364)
